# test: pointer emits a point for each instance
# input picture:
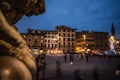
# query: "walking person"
(58, 69)
(38, 66)
(87, 57)
(117, 72)
(65, 57)
(96, 75)
(42, 69)
(81, 55)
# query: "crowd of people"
(69, 58)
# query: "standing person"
(87, 57)
(80, 56)
(78, 75)
(42, 56)
(37, 58)
(43, 68)
(71, 58)
(65, 57)
(117, 72)
(38, 66)
(58, 69)
(96, 75)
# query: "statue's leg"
(13, 69)
(12, 44)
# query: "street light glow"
(112, 38)
(84, 36)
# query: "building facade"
(117, 46)
(66, 39)
(35, 40)
(92, 40)
(52, 42)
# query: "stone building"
(117, 46)
(67, 38)
(91, 40)
(52, 42)
(35, 40)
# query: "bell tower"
(113, 30)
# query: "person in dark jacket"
(96, 75)
(58, 69)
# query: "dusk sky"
(92, 15)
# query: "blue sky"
(92, 15)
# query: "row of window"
(66, 35)
(45, 32)
(93, 37)
(67, 43)
(35, 31)
(58, 46)
(66, 30)
(88, 40)
(53, 41)
(93, 45)
(67, 39)
(51, 36)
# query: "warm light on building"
(92, 40)
(64, 40)
(112, 38)
(78, 49)
(84, 36)
(117, 42)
